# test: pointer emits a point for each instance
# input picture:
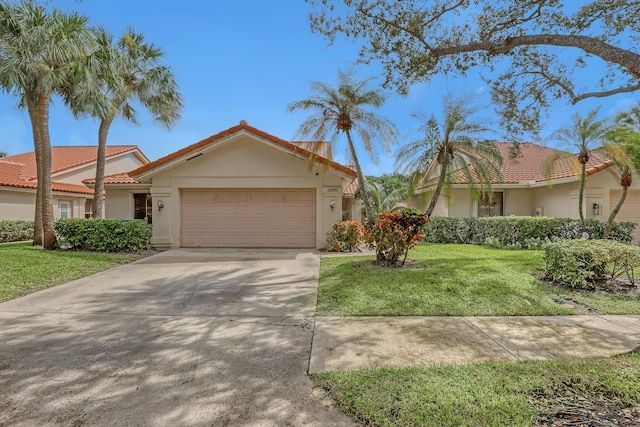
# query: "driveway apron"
(187, 337)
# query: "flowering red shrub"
(395, 233)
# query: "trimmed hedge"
(517, 231)
(103, 235)
(16, 231)
(583, 263)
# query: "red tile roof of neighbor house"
(300, 148)
(119, 178)
(527, 165)
(352, 188)
(19, 170)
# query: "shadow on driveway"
(193, 338)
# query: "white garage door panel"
(630, 210)
(248, 218)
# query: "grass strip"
(483, 394)
(25, 269)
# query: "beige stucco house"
(70, 166)
(241, 187)
(524, 190)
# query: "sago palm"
(449, 148)
(343, 110)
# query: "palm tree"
(448, 147)
(342, 109)
(381, 199)
(114, 77)
(623, 149)
(583, 135)
(38, 49)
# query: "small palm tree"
(382, 200)
(38, 51)
(623, 148)
(448, 147)
(583, 135)
(113, 78)
(342, 110)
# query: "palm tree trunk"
(49, 240)
(614, 212)
(436, 193)
(103, 132)
(32, 108)
(583, 176)
(366, 201)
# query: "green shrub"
(16, 231)
(582, 263)
(395, 233)
(346, 235)
(513, 231)
(103, 235)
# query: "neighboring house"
(241, 187)
(351, 207)
(70, 166)
(524, 190)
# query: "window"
(65, 209)
(88, 206)
(490, 207)
(142, 206)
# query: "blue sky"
(245, 60)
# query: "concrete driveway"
(182, 338)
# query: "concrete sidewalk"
(342, 343)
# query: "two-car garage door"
(250, 218)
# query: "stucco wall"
(20, 205)
(518, 201)
(17, 205)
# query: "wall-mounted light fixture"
(597, 209)
(160, 205)
(332, 204)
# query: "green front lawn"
(467, 280)
(453, 280)
(486, 394)
(25, 269)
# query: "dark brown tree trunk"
(49, 240)
(32, 108)
(98, 191)
(364, 195)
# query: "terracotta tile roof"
(243, 126)
(352, 188)
(322, 149)
(19, 171)
(120, 178)
(527, 166)
(66, 157)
